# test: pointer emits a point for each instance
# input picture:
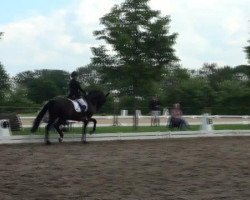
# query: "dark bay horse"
(61, 109)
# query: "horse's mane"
(95, 94)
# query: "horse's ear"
(107, 94)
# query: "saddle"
(77, 106)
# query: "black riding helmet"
(73, 74)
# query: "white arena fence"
(125, 136)
(107, 121)
(145, 120)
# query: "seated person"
(176, 120)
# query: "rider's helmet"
(73, 74)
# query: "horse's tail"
(39, 117)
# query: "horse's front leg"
(84, 139)
(94, 127)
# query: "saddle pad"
(77, 107)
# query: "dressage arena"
(191, 168)
(159, 166)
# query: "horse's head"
(97, 98)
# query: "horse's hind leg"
(47, 128)
(57, 127)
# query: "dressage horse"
(61, 109)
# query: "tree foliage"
(247, 50)
(222, 88)
(4, 84)
(215, 74)
(43, 84)
(40, 90)
(18, 98)
(233, 97)
(141, 46)
(88, 76)
(4, 81)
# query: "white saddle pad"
(77, 107)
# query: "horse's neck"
(91, 104)
(93, 99)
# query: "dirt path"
(175, 169)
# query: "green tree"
(18, 98)
(89, 77)
(4, 81)
(247, 50)
(42, 85)
(23, 78)
(171, 83)
(142, 48)
(215, 74)
(233, 97)
(193, 93)
(242, 74)
(59, 78)
(4, 84)
(40, 90)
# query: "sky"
(58, 34)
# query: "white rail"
(144, 120)
(124, 136)
(161, 116)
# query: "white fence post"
(207, 123)
(165, 112)
(138, 113)
(124, 112)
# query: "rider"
(75, 91)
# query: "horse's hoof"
(60, 140)
(85, 142)
(48, 142)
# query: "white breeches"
(83, 102)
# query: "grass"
(129, 129)
(232, 127)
